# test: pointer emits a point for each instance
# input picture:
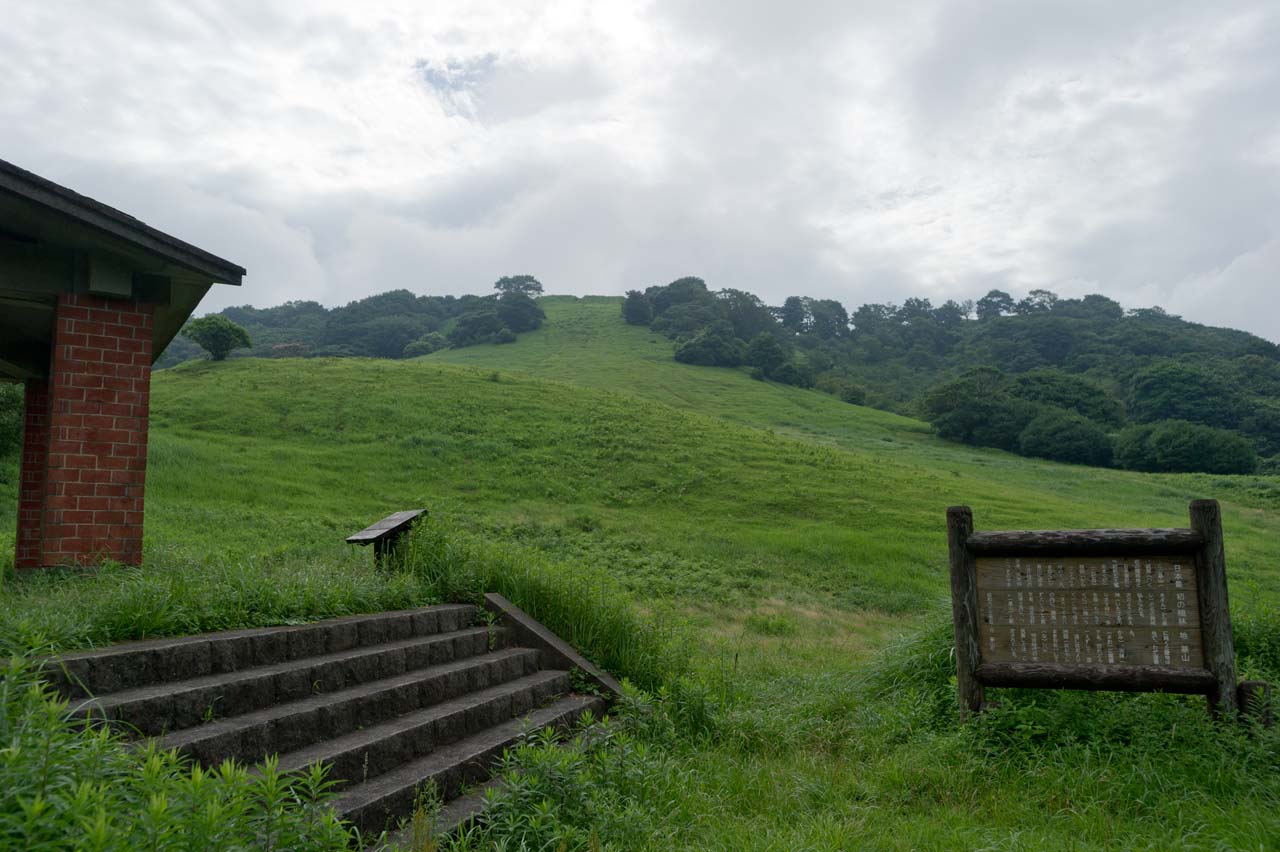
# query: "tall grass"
(54, 610)
(63, 787)
(584, 605)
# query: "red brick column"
(31, 481)
(99, 400)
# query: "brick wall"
(31, 482)
(99, 400)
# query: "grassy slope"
(788, 523)
(912, 476)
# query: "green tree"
(678, 292)
(1065, 436)
(747, 314)
(217, 335)
(525, 285)
(795, 314)
(996, 303)
(637, 309)
(714, 346)
(975, 409)
(1178, 446)
(1037, 302)
(765, 352)
(1054, 387)
(478, 326)
(519, 312)
(1174, 391)
(829, 319)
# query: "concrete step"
(289, 727)
(135, 664)
(364, 754)
(161, 708)
(377, 802)
(455, 816)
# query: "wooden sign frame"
(1201, 544)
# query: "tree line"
(1075, 380)
(1078, 380)
(395, 324)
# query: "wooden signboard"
(1133, 610)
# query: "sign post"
(1132, 610)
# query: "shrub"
(845, 390)
(1065, 436)
(791, 373)
(711, 347)
(425, 345)
(1176, 446)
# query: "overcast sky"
(858, 151)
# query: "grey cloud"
(859, 151)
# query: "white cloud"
(860, 151)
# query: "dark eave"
(32, 187)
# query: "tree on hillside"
(714, 346)
(525, 285)
(217, 335)
(1065, 436)
(478, 326)
(794, 315)
(996, 303)
(519, 312)
(976, 409)
(1177, 446)
(1054, 387)
(1093, 306)
(829, 319)
(425, 345)
(765, 352)
(636, 308)
(679, 292)
(747, 314)
(794, 373)
(1173, 391)
(1037, 302)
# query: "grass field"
(799, 538)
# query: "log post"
(964, 609)
(1215, 614)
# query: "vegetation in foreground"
(777, 549)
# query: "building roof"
(55, 240)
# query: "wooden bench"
(386, 533)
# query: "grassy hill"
(800, 536)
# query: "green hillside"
(797, 536)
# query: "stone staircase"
(392, 702)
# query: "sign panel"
(1089, 611)
(1118, 609)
